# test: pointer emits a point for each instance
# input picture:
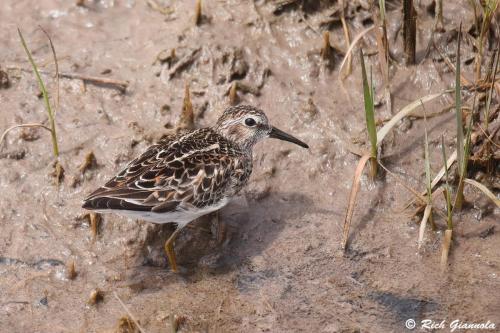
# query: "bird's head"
(246, 125)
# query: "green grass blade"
(44, 93)
(381, 4)
(467, 147)
(428, 176)
(463, 171)
(447, 187)
(372, 129)
(368, 94)
(458, 107)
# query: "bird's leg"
(169, 249)
(221, 229)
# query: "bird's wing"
(175, 175)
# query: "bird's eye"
(250, 122)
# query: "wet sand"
(280, 268)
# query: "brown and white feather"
(180, 178)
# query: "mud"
(278, 268)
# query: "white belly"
(181, 217)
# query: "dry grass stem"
(183, 63)
(463, 80)
(95, 221)
(409, 31)
(418, 196)
(347, 38)
(197, 12)
(71, 270)
(351, 47)
(352, 198)
(446, 248)
(423, 223)
(439, 24)
(96, 80)
(119, 85)
(407, 110)
(326, 50)
(443, 170)
(4, 134)
(233, 95)
(440, 174)
(483, 189)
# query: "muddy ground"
(279, 269)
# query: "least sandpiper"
(188, 174)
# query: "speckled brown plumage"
(190, 171)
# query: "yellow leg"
(221, 229)
(169, 249)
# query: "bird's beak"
(279, 134)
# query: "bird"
(189, 173)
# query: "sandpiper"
(188, 174)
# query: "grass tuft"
(407, 110)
